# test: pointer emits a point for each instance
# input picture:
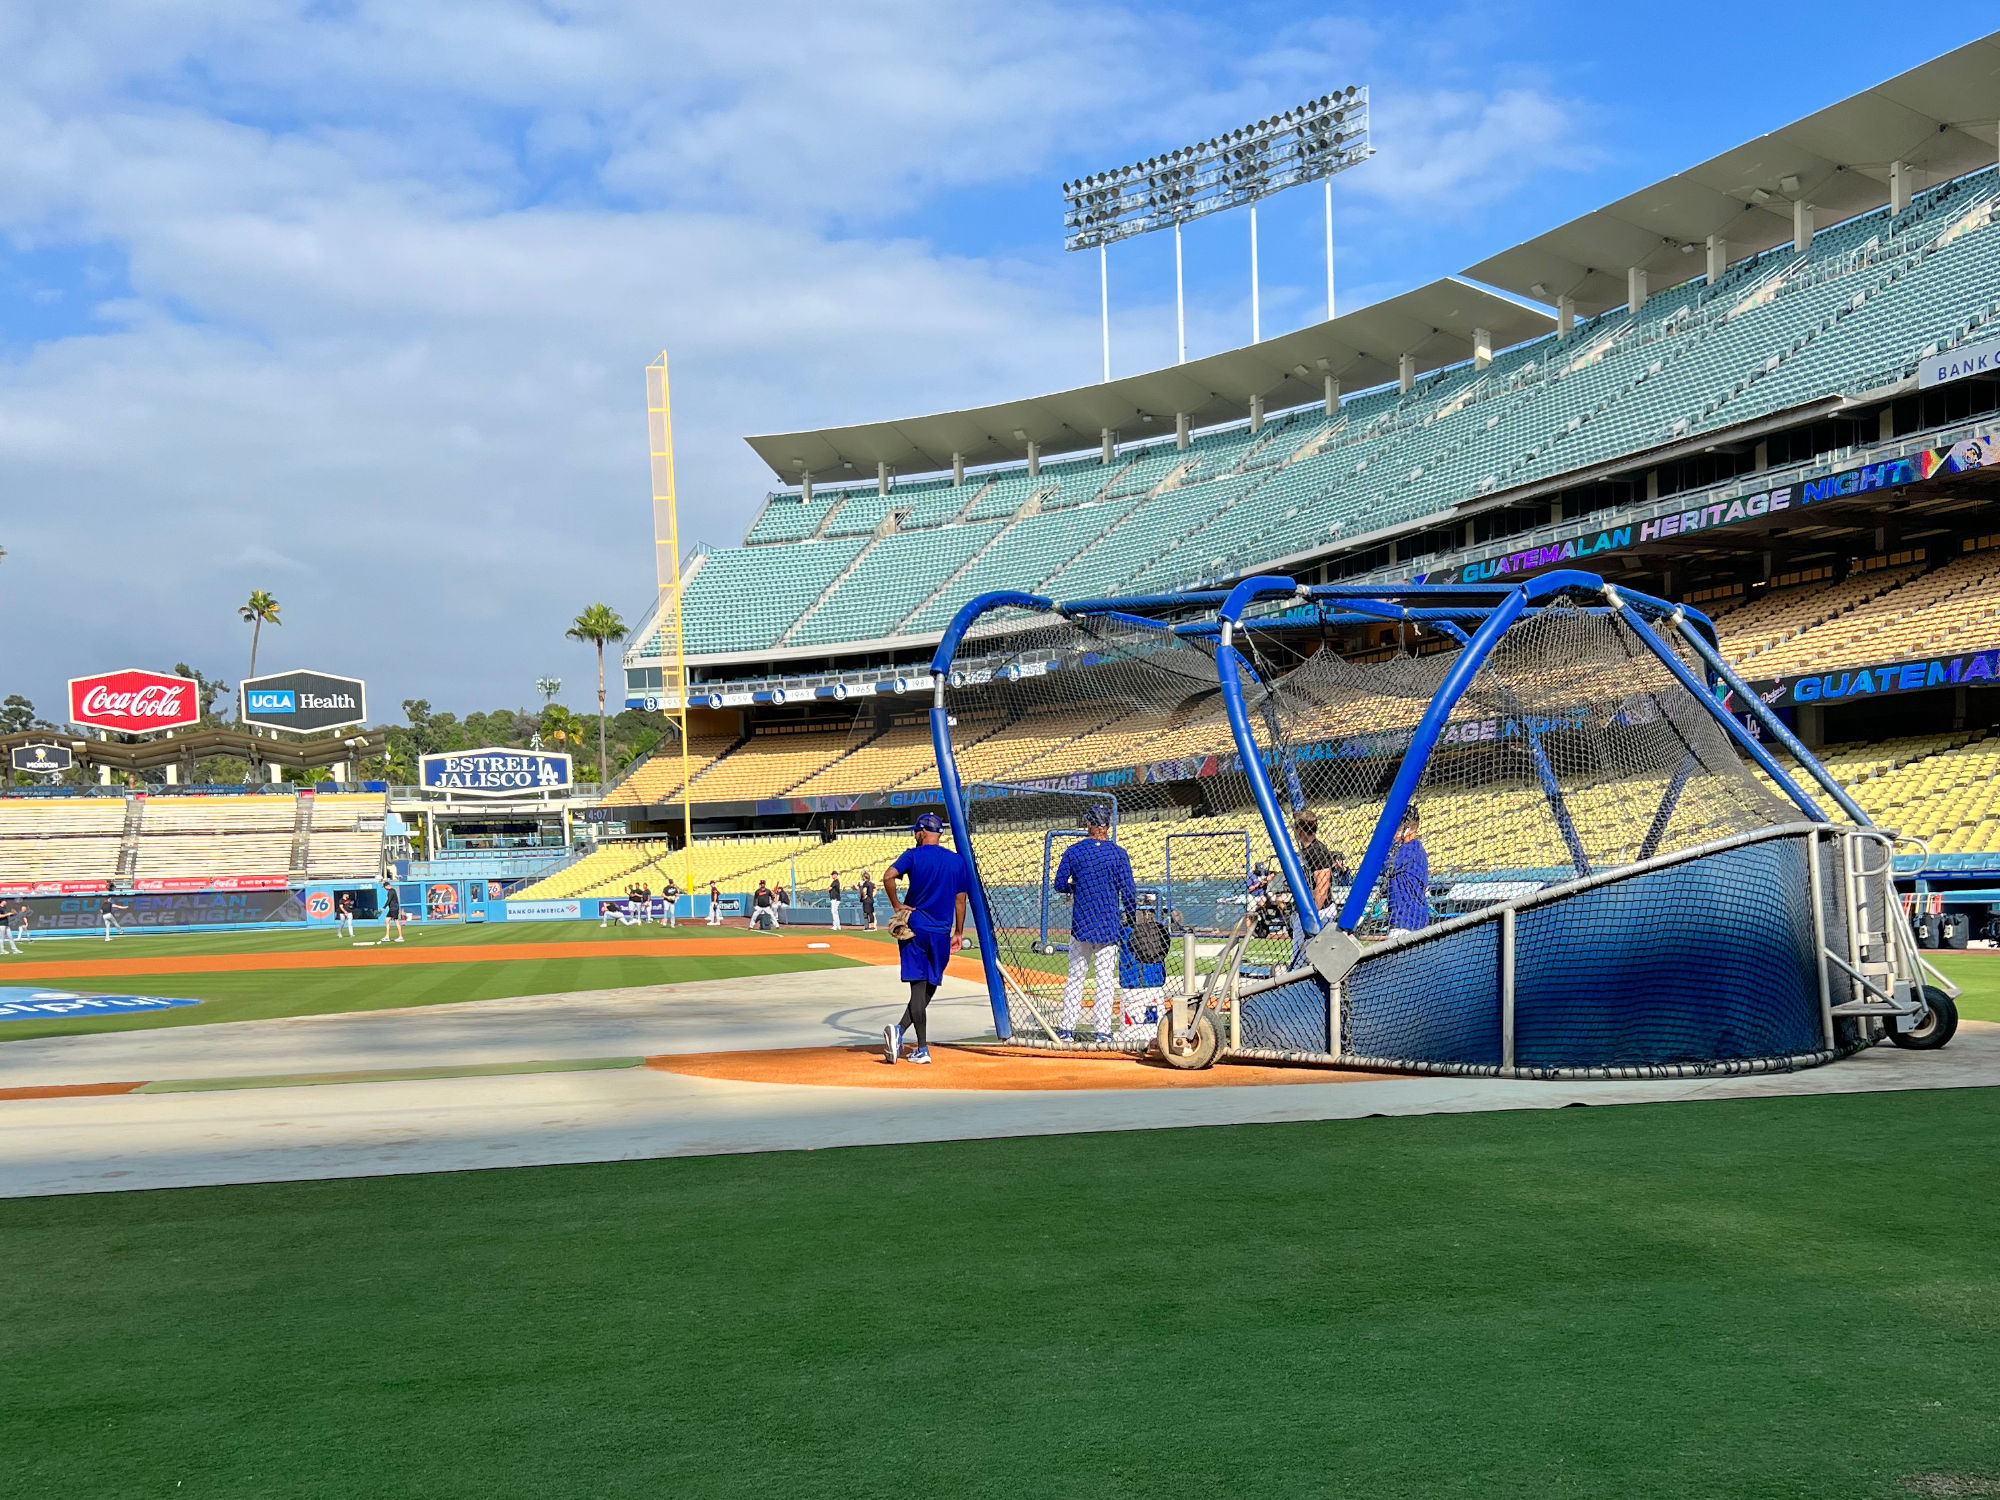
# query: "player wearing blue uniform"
(935, 914)
(1406, 879)
(1097, 877)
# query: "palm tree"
(599, 625)
(558, 725)
(257, 612)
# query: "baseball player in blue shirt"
(1097, 877)
(1406, 879)
(928, 925)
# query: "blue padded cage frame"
(1488, 609)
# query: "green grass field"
(1978, 977)
(1792, 1297)
(250, 995)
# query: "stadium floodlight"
(548, 687)
(1310, 143)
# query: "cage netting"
(1574, 750)
(1573, 753)
(1118, 715)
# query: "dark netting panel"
(1573, 751)
(1128, 718)
(1435, 1001)
(1711, 960)
(1289, 1017)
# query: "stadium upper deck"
(1456, 450)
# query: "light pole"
(548, 687)
(1310, 143)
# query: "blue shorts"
(926, 954)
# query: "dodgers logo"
(18, 1003)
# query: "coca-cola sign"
(134, 701)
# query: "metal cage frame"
(1877, 967)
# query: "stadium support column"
(1256, 414)
(1899, 186)
(1565, 315)
(882, 478)
(1406, 373)
(1181, 430)
(1482, 348)
(1110, 445)
(1635, 289)
(1332, 396)
(1034, 460)
(1718, 258)
(957, 470)
(1802, 226)
(1256, 316)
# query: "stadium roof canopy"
(1938, 120)
(1434, 324)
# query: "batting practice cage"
(1509, 831)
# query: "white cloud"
(393, 272)
(1448, 151)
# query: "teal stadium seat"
(1870, 296)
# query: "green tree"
(259, 610)
(559, 727)
(600, 626)
(207, 690)
(16, 714)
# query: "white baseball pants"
(1084, 958)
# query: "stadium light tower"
(1310, 143)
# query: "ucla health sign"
(303, 702)
(496, 773)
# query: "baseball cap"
(927, 823)
(1099, 816)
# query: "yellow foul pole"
(667, 571)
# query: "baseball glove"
(899, 927)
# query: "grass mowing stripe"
(384, 1075)
(1761, 1298)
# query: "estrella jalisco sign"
(1891, 473)
(496, 773)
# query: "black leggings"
(921, 991)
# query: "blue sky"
(350, 301)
